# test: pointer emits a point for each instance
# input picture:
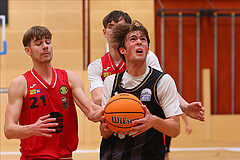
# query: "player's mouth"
(46, 53)
(139, 50)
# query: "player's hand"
(43, 126)
(188, 129)
(195, 110)
(105, 131)
(143, 124)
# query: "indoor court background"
(215, 139)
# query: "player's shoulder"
(109, 78)
(95, 64)
(151, 54)
(97, 61)
(19, 83)
(71, 75)
(167, 79)
(19, 80)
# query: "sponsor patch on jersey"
(59, 120)
(63, 90)
(146, 95)
(105, 74)
(65, 102)
(34, 91)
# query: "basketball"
(121, 110)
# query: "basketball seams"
(122, 112)
(123, 98)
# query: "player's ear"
(122, 50)
(104, 33)
(28, 51)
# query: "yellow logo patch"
(63, 90)
(34, 91)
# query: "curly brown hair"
(120, 32)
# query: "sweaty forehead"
(136, 34)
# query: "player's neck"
(135, 69)
(45, 71)
(114, 54)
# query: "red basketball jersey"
(54, 99)
(109, 66)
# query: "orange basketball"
(121, 110)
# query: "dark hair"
(120, 32)
(35, 31)
(116, 16)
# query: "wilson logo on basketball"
(124, 120)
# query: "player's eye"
(48, 41)
(38, 43)
(132, 39)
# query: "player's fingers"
(102, 120)
(44, 117)
(145, 109)
(49, 130)
(49, 120)
(47, 135)
(138, 133)
(50, 125)
(201, 118)
(135, 122)
(138, 128)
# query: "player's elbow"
(97, 100)
(176, 132)
(7, 133)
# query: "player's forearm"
(183, 103)
(14, 131)
(170, 127)
(184, 116)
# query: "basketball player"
(111, 63)
(41, 110)
(156, 90)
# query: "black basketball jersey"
(148, 145)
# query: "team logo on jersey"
(107, 68)
(146, 94)
(63, 90)
(105, 74)
(33, 86)
(65, 102)
(59, 120)
(34, 91)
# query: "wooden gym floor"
(207, 153)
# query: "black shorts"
(167, 143)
